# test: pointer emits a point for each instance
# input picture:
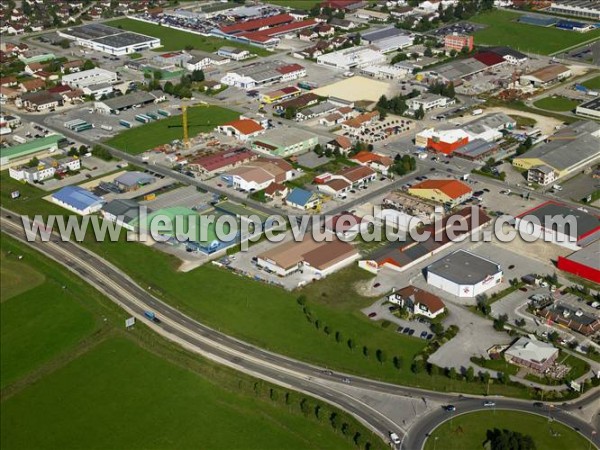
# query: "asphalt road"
(270, 366)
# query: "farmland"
(201, 119)
(172, 39)
(502, 28)
(77, 373)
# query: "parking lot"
(420, 327)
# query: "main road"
(332, 387)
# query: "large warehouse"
(464, 274)
(569, 150)
(544, 222)
(104, 38)
(352, 58)
(321, 258)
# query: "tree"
(351, 344)
(509, 440)
(338, 336)
(398, 362)
(34, 162)
(420, 113)
(452, 373)
(88, 65)
(437, 328)
(470, 374)
(197, 75)
(453, 53)
(318, 149)
(290, 113)
(168, 88)
(65, 43)
(428, 52)
(365, 351)
(73, 152)
(380, 355)
(500, 322)
(157, 75)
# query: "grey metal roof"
(494, 121)
(586, 222)
(588, 256)
(129, 100)
(463, 267)
(592, 104)
(476, 148)
(134, 178)
(383, 33)
(563, 153)
(122, 207)
(459, 69)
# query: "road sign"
(130, 322)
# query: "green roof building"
(18, 154)
(194, 229)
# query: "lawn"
(503, 29)
(120, 396)
(559, 104)
(39, 319)
(468, 431)
(295, 4)
(499, 365)
(523, 122)
(592, 83)
(172, 39)
(201, 119)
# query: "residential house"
(302, 199)
(241, 129)
(375, 161)
(341, 144)
(418, 301)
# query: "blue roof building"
(540, 21)
(77, 199)
(303, 199)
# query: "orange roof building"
(241, 129)
(376, 161)
(442, 191)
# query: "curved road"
(263, 364)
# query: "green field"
(172, 39)
(295, 4)
(592, 83)
(468, 431)
(559, 104)
(499, 365)
(503, 29)
(39, 320)
(118, 389)
(201, 119)
(120, 396)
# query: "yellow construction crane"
(184, 123)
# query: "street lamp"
(435, 441)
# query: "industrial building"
(578, 8)
(560, 224)
(352, 58)
(107, 39)
(428, 102)
(402, 255)
(545, 76)
(446, 191)
(387, 39)
(569, 150)
(534, 355)
(589, 109)
(78, 200)
(121, 211)
(284, 142)
(443, 141)
(584, 263)
(260, 74)
(464, 274)
(319, 258)
(95, 82)
(241, 129)
(22, 153)
(302, 199)
(221, 161)
(45, 169)
(116, 104)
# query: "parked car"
(423, 334)
(538, 404)
(450, 408)
(395, 438)
(411, 332)
(489, 403)
(373, 314)
(406, 330)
